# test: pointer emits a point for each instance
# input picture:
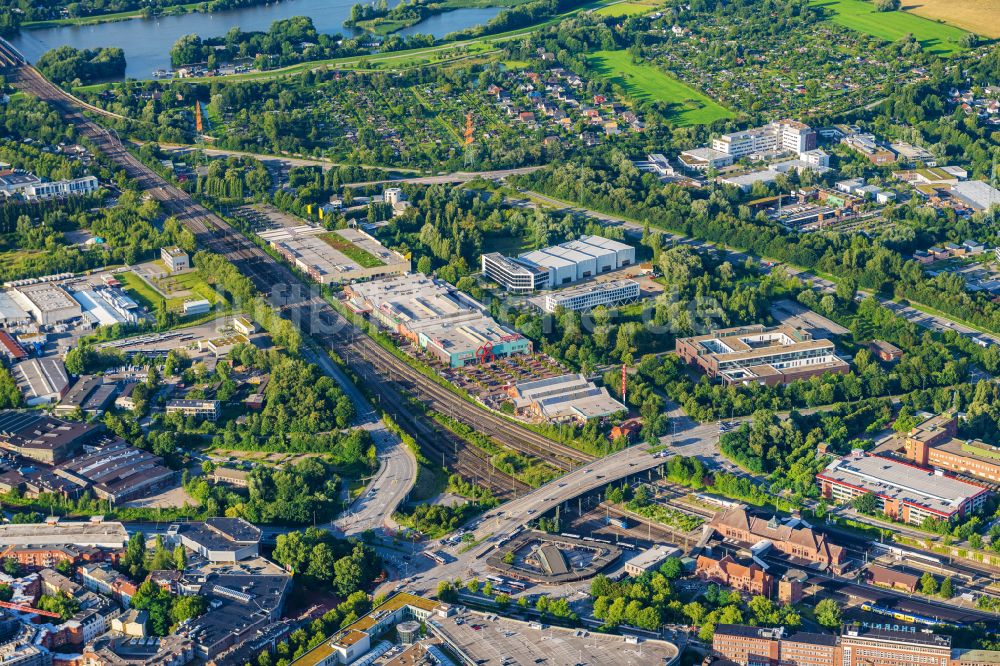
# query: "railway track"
(378, 366)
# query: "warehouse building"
(564, 398)
(590, 296)
(558, 265)
(438, 317)
(11, 314)
(903, 491)
(336, 257)
(769, 356)
(42, 380)
(48, 303)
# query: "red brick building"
(794, 538)
(749, 578)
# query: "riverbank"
(128, 15)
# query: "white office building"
(589, 296)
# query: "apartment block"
(758, 354)
(200, 409)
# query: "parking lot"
(489, 640)
(799, 316)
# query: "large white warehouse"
(558, 265)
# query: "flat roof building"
(175, 259)
(449, 324)
(335, 257)
(219, 539)
(775, 137)
(564, 398)
(934, 443)
(352, 642)
(589, 296)
(904, 492)
(48, 303)
(201, 409)
(651, 559)
(748, 354)
(976, 194)
(11, 314)
(95, 533)
(565, 263)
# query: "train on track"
(906, 616)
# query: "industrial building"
(903, 491)
(589, 296)
(11, 313)
(42, 380)
(218, 539)
(976, 194)
(558, 265)
(89, 394)
(336, 257)
(436, 316)
(564, 398)
(48, 303)
(934, 443)
(117, 472)
(107, 306)
(770, 356)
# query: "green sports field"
(861, 16)
(646, 82)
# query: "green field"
(146, 295)
(646, 82)
(626, 9)
(861, 16)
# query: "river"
(147, 42)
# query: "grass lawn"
(861, 16)
(146, 295)
(978, 16)
(140, 290)
(646, 82)
(363, 258)
(626, 9)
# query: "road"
(397, 465)
(455, 177)
(291, 160)
(495, 525)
